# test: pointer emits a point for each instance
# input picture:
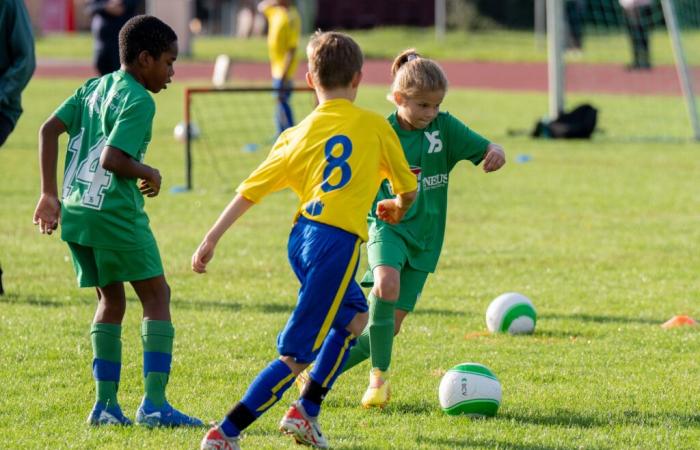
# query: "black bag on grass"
(579, 123)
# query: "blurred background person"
(283, 33)
(574, 10)
(17, 63)
(108, 17)
(639, 21)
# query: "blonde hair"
(413, 74)
(334, 59)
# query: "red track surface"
(603, 78)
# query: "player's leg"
(283, 111)
(333, 307)
(378, 391)
(157, 336)
(350, 321)
(105, 337)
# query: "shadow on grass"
(436, 312)
(572, 418)
(599, 319)
(478, 443)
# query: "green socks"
(157, 338)
(359, 352)
(381, 331)
(107, 360)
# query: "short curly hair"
(147, 33)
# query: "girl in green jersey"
(401, 256)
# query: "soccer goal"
(639, 64)
(230, 123)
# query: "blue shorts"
(324, 259)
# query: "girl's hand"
(47, 213)
(201, 257)
(389, 211)
(495, 158)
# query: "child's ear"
(144, 59)
(356, 80)
(310, 81)
(398, 98)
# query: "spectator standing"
(17, 63)
(108, 17)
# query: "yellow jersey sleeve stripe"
(338, 297)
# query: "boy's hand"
(389, 211)
(495, 158)
(47, 213)
(150, 187)
(201, 257)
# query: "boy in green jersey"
(109, 122)
(401, 256)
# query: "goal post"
(668, 30)
(222, 124)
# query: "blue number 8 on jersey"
(340, 162)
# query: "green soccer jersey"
(432, 153)
(100, 209)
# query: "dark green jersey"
(100, 209)
(432, 153)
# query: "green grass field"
(386, 43)
(603, 236)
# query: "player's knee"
(294, 366)
(358, 324)
(387, 288)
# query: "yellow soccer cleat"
(303, 378)
(378, 392)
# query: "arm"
(21, 45)
(48, 210)
(288, 59)
(123, 165)
(392, 210)
(494, 158)
(205, 252)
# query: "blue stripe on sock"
(156, 362)
(103, 370)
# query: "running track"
(501, 76)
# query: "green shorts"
(100, 267)
(393, 253)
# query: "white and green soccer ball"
(470, 389)
(511, 313)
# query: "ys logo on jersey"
(434, 140)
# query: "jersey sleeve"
(133, 126)
(270, 176)
(395, 168)
(463, 143)
(69, 111)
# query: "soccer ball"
(179, 131)
(512, 313)
(470, 389)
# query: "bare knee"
(154, 294)
(294, 366)
(358, 324)
(386, 283)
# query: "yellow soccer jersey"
(284, 29)
(334, 160)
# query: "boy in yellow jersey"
(283, 31)
(334, 160)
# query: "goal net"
(637, 61)
(229, 125)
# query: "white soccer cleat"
(216, 440)
(302, 428)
